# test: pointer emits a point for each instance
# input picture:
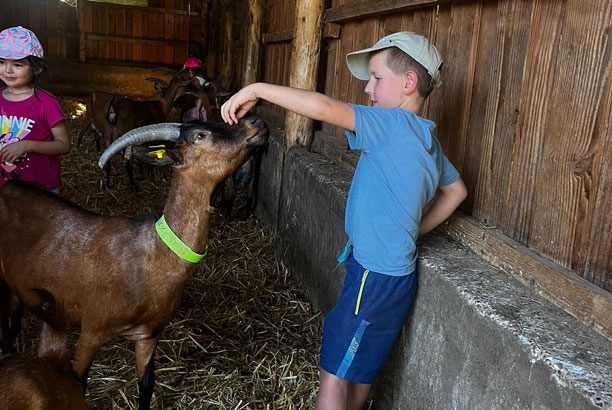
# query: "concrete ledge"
(476, 338)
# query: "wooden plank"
(563, 202)
(360, 9)
(137, 31)
(588, 303)
(456, 32)
(168, 50)
(81, 16)
(278, 36)
(504, 44)
(535, 106)
(158, 10)
(135, 40)
(598, 263)
(120, 31)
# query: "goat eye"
(200, 136)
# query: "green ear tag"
(175, 244)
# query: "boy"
(400, 169)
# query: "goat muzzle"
(156, 132)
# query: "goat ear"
(157, 154)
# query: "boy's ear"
(411, 81)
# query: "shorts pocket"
(363, 281)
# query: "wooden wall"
(53, 22)
(524, 112)
(166, 32)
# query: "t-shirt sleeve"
(376, 121)
(54, 113)
(448, 173)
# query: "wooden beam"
(253, 42)
(580, 298)
(227, 56)
(144, 9)
(80, 10)
(278, 36)
(304, 66)
(360, 9)
(135, 40)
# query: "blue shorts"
(359, 332)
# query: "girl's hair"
(38, 67)
(399, 62)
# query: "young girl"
(33, 132)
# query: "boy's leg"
(333, 392)
(357, 395)
(336, 393)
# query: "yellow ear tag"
(159, 153)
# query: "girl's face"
(385, 88)
(16, 74)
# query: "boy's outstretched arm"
(310, 104)
(443, 206)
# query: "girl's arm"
(310, 104)
(443, 205)
(60, 145)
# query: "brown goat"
(45, 382)
(114, 275)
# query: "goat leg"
(145, 366)
(108, 174)
(88, 345)
(129, 170)
(11, 313)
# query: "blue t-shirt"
(398, 173)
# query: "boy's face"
(385, 88)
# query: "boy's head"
(404, 51)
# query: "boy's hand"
(12, 152)
(239, 104)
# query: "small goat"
(45, 382)
(115, 275)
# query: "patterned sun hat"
(18, 42)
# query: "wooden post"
(213, 48)
(304, 66)
(227, 49)
(81, 29)
(253, 43)
(204, 42)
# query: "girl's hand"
(239, 104)
(12, 152)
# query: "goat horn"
(168, 131)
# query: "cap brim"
(358, 62)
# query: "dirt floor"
(245, 336)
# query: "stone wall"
(476, 338)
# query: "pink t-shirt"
(32, 120)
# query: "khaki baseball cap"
(415, 45)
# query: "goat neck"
(187, 210)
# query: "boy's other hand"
(239, 104)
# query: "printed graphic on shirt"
(12, 129)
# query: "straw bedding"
(245, 336)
